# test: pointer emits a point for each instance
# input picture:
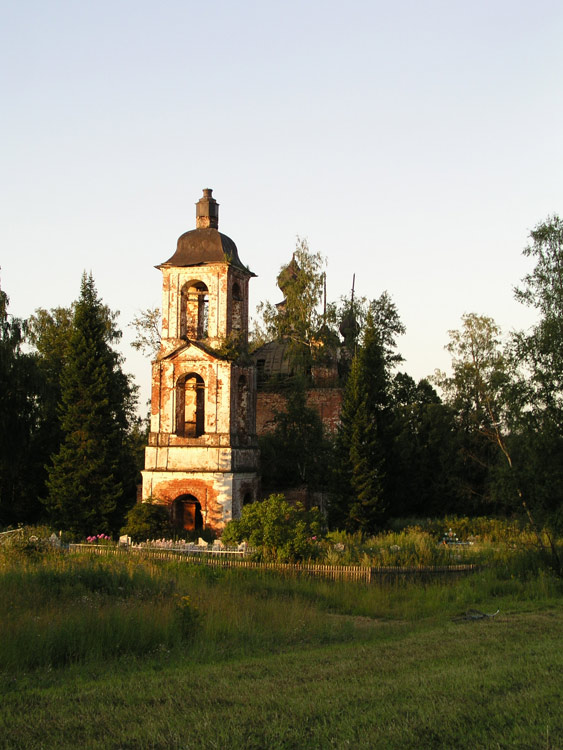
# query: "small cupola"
(207, 211)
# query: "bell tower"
(202, 457)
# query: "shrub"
(147, 521)
(483, 527)
(29, 541)
(189, 616)
(282, 532)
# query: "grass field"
(110, 653)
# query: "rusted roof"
(201, 246)
(272, 358)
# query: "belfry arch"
(190, 405)
(194, 311)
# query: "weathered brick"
(202, 457)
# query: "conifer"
(85, 487)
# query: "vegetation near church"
(487, 441)
(364, 437)
(299, 319)
(91, 472)
(491, 443)
(281, 531)
(117, 635)
(20, 471)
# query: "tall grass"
(415, 542)
(482, 528)
(60, 610)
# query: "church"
(202, 455)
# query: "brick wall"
(326, 401)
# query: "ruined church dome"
(288, 274)
(206, 244)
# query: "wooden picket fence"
(334, 572)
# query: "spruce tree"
(363, 441)
(86, 491)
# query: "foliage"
(508, 531)
(476, 393)
(543, 286)
(147, 521)
(234, 348)
(352, 313)
(48, 332)
(91, 480)
(26, 542)
(475, 390)
(283, 532)
(257, 333)
(189, 616)
(424, 471)
(537, 396)
(147, 324)
(296, 451)
(310, 332)
(20, 463)
(482, 393)
(363, 441)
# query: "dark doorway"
(185, 514)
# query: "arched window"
(194, 311)
(236, 318)
(185, 513)
(242, 405)
(190, 406)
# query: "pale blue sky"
(413, 143)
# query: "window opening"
(236, 308)
(242, 404)
(194, 314)
(261, 369)
(190, 406)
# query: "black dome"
(201, 246)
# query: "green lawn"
(276, 663)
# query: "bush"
(484, 528)
(188, 615)
(282, 532)
(29, 541)
(147, 521)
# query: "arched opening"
(185, 514)
(236, 317)
(242, 405)
(194, 311)
(247, 499)
(190, 406)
